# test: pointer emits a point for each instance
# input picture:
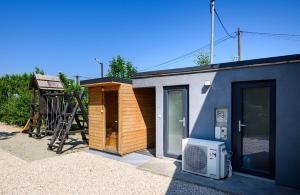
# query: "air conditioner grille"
(195, 159)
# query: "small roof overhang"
(106, 81)
(46, 82)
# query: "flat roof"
(222, 66)
(104, 81)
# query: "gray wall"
(203, 103)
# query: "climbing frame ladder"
(66, 119)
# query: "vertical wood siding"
(96, 118)
(137, 111)
(136, 118)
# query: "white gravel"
(30, 149)
(26, 167)
(85, 173)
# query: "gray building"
(253, 106)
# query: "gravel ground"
(85, 173)
(26, 167)
(31, 149)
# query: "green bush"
(15, 98)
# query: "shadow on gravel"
(72, 144)
(7, 135)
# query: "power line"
(271, 34)
(293, 37)
(184, 56)
(179, 60)
(223, 26)
(219, 41)
(86, 77)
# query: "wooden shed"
(121, 119)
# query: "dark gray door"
(254, 128)
(175, 119)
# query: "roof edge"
(105, 80)
(221, 66)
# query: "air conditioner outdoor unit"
(204, 157)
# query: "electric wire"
(80, 76)
(223, 26)
(293, 37)
(189, 54)
(271, 34)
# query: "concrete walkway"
(236, 184)
(135, 159)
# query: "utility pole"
(239, 44)
(212, 10)
(77, 80)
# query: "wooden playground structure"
(55, 112)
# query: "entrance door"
(254, 128)
(111, 120)
(175, 119)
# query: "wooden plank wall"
(137, 118)
(96, 118)
(146, 101)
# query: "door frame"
(104, 96)
(165, 117)
(237, 112)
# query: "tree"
(202, 59)
(38, 70)
(15, 98)
(121, 68)
(234, 59)
(69, 85)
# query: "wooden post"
(239, 44)
(32, 113)
(40, 116)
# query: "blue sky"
(65, 35)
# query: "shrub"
(15, 98)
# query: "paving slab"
(135, 159)
(236, 184)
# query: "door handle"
(241, 125)
(182, 121)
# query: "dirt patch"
(31, 149)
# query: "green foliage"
(234, 59)
(121, 68)
(15, 98)
(202, 58)
(38, 70)
(69, 85)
